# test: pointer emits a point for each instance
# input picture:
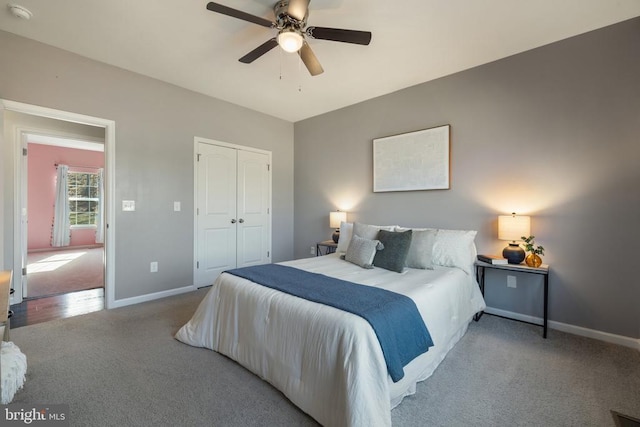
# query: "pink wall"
(41, 186)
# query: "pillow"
(393, 256)
(398, 228)
(370, 232)
(421, 249)
(455, 248)
(346, 231)
(362, 251)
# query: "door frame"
(199, 140)
(19, 170)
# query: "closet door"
(233, 202)
(216, 213)
(253, 209)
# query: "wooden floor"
(39, 310)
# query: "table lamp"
(335, 218)
(513, 227)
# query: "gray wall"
(155, 126)
(553, 133)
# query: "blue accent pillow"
(396, 248)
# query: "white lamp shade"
(335, 218)
(513, 227)
(290, 41)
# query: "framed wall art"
(412, 161)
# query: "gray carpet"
(122, 367)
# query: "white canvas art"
(412, 161)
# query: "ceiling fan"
(291, 23)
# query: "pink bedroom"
(75, 264)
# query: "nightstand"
(521, 268)
(329, 247)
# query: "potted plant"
(533, 259)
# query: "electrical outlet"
(511, 282)
(312, 250)
(176, 206)
(154, 267)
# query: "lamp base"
(336, 236)
(513, 253)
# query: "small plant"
(529, 243)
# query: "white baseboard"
(572, 329)
(516, 316)
(599, 335)
(150, 297)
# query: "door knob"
(233, 221)
(241, 220)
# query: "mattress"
(326, 361)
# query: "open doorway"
(17, 120)
(65, 215)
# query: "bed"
(329, 362)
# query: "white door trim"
(198, 140)
(110, 145)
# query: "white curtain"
(100, 214)
(61, 235)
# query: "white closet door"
(217, 212)
(253, 209)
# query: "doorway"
(14, 146)
(75, 262)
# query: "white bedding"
(326, 361)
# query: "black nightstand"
(329, 247)
(521, 268)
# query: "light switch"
(176, 206)
(128, 205)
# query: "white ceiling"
(180, 42)
(56, 141)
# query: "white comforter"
(326, 361)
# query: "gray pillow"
(421, 249)
(361, 251)
(396, 248)
(367, 231)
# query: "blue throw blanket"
(395, 318)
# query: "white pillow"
(366, 231)
(362, 251)
(455, 248)
(346, 231)
(421, 249)
(370, 231)
(400, 229)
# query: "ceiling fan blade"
(339, 35)
(310, 60)
(215, 7)
(298, 9)
(259, 51)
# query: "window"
(83, 198)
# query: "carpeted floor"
(63, 271)
(123, 367)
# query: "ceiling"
(180, 42)
(56, 141)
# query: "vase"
(533, 260)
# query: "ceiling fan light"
(290, 41)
